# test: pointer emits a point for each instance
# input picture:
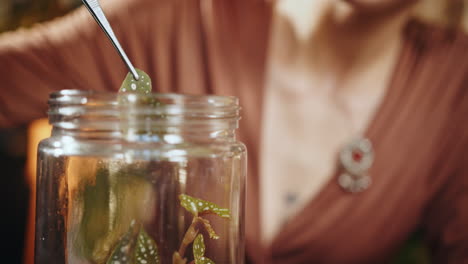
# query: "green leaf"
(204, 260)
(94, 239)
(142, 86)
(413, 251)
(198, 206)
(146, 250)
(198, 247)
(122, 253)
(135, 250)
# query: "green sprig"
(198, 206)
(199, 251)
(141, 249)
(142, 85)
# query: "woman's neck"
(336, 40)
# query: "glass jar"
(140, 179)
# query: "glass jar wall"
(140, 179)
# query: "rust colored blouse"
(420, 131)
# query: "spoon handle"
(95, 9)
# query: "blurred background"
(17, 146)
(24, 13)
(16, 175)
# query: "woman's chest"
(305, 127)
(336, 226)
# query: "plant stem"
(189, 236)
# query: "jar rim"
(104, 111)
(210, 106)
(70, 96)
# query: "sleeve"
(67, 53)
(447, 219)
(448, 225)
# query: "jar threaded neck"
(142, 117)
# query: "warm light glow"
(37, 131)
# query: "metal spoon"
(95, 9)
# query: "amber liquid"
(85, 205)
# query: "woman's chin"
(378, 5)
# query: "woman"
(317, 80)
